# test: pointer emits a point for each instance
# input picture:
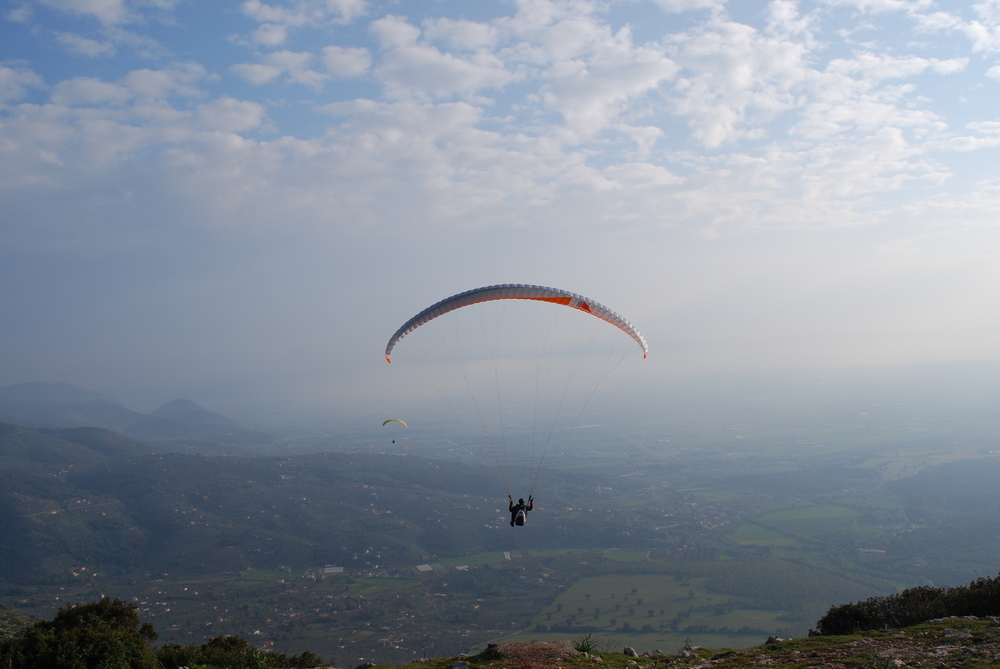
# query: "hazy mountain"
(89, 413)
(182, 426)
(179, 426)
(51, 393)
(188, 411)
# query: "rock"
(630, 651)
(725, 654)
(994, 622)
(774, 639)
(685, 652)
(963, 633)
(460, 664)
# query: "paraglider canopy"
(516, 291)
(394, 420)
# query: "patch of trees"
(912, 606)
(108, 633)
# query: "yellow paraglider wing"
(394, 420)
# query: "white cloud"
(423, 70)
(15, 82)
(230, 115)
(880, 66)
(269, 34)
(89, 91)
(734, 78)
(344, 62)
(641, 175)
(177, 80)
(993, 72)
(411, 68)
(19, 14)
(394, 31)
(592, 92)
(677, 6)
(256, 73)
(108, 12)
(294, 65)
(83, 46)
(984, 34)
(884, 6)
(460, 34)
(278, 18)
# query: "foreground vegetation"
(107, 634)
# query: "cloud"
(278, 18)
(880, 66)
(294, 65)
(344, 62)
(19, 14)
(677, 6)
(15, 82)
(410, 68)
(108, 12)
(256, 73)
(460, 34)
(83, 46)
(89, 91)
(983, 33)
(734, 77)
(180, 79)
(394, 31)
(230, 115)
(591, 92)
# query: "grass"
(811, 520)
(626, 556)
(667, 597)
(757, 535)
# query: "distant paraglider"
(394, 420)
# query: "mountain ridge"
(180, 425)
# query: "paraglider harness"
(519, 511)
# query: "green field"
(626, 556)
(653, 611)
(810, 521)
(753, 534)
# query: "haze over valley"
(298, 298)
(734, 515)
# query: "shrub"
(912, 606)
(102, 634)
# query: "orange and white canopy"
(515, 291)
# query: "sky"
(239, 202)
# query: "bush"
(912, 606)
(105, 634)
(232, 652)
